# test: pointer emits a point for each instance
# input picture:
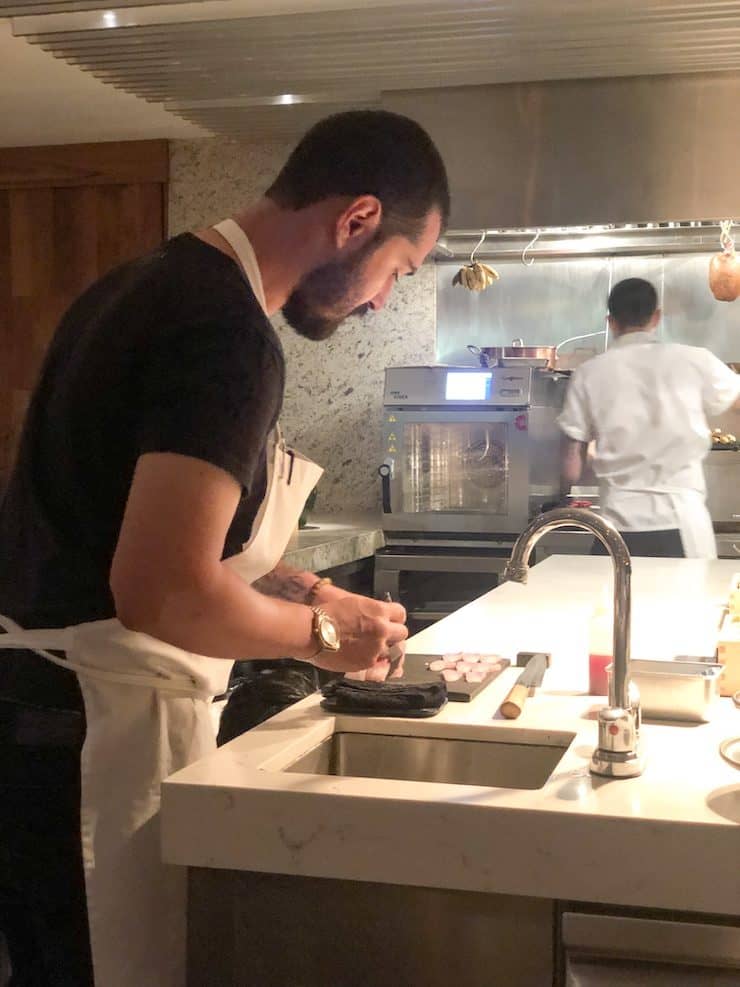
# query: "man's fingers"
(394, 634)
(396, 613)
(398, 671)
(378, 671)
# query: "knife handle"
(512, 706)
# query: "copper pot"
(517, 353)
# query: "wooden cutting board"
(415, 672)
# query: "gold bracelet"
(311, 595)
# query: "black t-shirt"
(169, 353)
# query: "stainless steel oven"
(470, 455)
(468, 451)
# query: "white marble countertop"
(668, 839)
(331, 541)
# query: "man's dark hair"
(368, 152)
(632, 302)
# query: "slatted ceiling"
(21, 8)
(262, 123)
(532, 14)
(183, 55)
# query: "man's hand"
(378, 672)
(368, 629)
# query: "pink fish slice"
(438, 665)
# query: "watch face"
(329, 633)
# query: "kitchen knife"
(531, 677)
(396, 652)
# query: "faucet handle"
(618, 754)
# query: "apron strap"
(238, 240)
(58, 638)
(62, 638)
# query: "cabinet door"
(272, 930)
(615, 950)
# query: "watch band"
(313, 590)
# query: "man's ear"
(359, 222)
(657, 316)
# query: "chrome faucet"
(618, 754)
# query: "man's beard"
(327, 296)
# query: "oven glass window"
(460, 466)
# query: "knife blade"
(528, 681)
(396, 653)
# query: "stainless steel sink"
(490, 763)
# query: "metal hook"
(725, 237)
(477, 246)
(535, 238)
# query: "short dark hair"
(368, 152)
(632, 302)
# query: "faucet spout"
(618, 752)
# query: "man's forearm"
(287, 583)
(573, 456)
(225, 617)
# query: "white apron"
(147, 706)
(695, 524)
(690, 515)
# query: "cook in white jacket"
(645, 404)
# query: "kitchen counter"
(668, 839)
(333, 541)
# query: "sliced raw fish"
(451, 675)
(473, 658)
(452, 658)
(465, 666)
(491, 659)
(440, 663)
(476, 675)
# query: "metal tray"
(676, 690)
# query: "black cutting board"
(415, 672)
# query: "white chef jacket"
(645, 406)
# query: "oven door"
(456, 471)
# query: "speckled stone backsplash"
(334, 390)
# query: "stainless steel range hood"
(586, 151)
(627, 240)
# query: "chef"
(644, 404)
(142, 530)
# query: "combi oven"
(469, 456)
(468, 451)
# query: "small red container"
(598, 684)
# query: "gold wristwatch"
(324, 632)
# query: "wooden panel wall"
(67, 215)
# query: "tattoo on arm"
(287, 583)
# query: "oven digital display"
(468, 386)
